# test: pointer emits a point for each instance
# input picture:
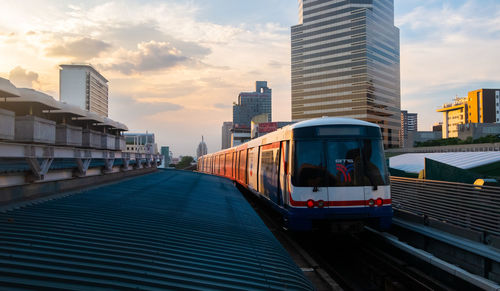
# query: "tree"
(185, 162)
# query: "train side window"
(375, 168)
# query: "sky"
(175, 67)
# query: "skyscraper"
(345, 62)
(84, 86)
(226, 134)
(409, 123)
(202, 149)
(251, 104)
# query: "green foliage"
(457, 141)
(185, 162)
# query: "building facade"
(480, 106)
(226, 134)
(251, 104)
(85, 87)
(409, 123)
(263, 128)
(140, 143)
(478, 130)
(345, 62)
(454, 114)
(484, 106)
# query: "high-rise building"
(226, 134)
(202, 149)
(345, 62)
(251, 104)
(84, 86)
(165, 151)
(484, 106)
(409, 123)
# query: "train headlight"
(321, 203)
(310, 203)
(379, 202)
(371, 202)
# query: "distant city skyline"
(175, 67)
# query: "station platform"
(169, 230)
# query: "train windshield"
(331, 163)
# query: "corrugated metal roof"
(167, 230)
(414, 163)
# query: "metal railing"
(465, 205)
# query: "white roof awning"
(7, 89)
(91, 116)
(68, 109)
(46, 102)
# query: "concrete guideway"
(41, 158)
(166, 230)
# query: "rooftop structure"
(415, 162)
(149, 232)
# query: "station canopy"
(415, 162)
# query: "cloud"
(152, 56)
(23, 79)
(275, 64)
(82, 49)
(447, 50)
(172, 70)
(126, 105)
(222, 105)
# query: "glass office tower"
(345, 63)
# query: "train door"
(269, 171)
(235, 165)
(243, 167)
(252, 169)
(283, 172)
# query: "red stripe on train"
(339, 203)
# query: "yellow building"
(453, 114)
(483, 106)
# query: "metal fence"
(465, 205)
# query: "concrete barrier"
(35, 129)
(91, 138)
(7, 124)
(68, 135)
(107, 141)
(120, 143)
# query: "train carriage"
(325, 172)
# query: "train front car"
(339, 178)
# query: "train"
(320, 174)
